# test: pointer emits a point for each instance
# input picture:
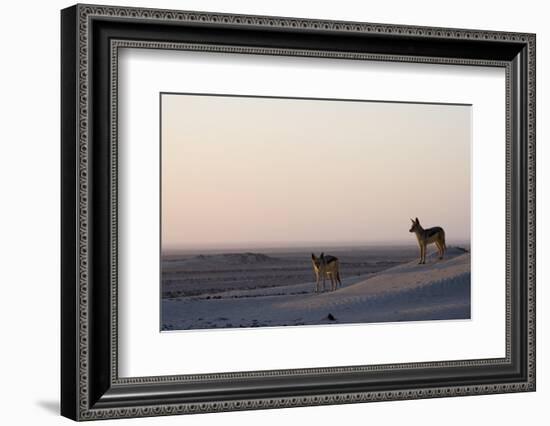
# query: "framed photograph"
(263, 212)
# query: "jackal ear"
(312, 256)
(322, 255)
(417, 220)
(412, 220)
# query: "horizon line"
(273, 245)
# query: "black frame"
(90, 386)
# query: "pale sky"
(251, 172)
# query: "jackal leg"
(439, 249)
(317, 282)
(422, 254)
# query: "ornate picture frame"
(91, 37)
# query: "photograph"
(280, 211)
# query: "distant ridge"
(247, 258)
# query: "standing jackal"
(427, 236)
(326, 266)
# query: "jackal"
(427, 236)
(326, 266)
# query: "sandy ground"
(210, 273)
(437, 290)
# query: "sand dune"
(402, 280)
(439, 289)
(216, 261)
